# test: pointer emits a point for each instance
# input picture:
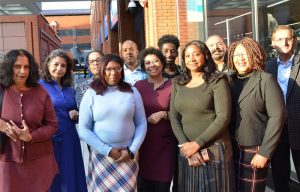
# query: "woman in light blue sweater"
(112, 122)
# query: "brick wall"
(161, 19)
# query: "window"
(74, 32)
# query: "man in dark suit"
(286, 70)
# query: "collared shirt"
(133, 76)
(283, 74)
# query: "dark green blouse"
(202, 113)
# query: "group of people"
(213, 123)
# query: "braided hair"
(255, 53)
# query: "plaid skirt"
(105, 175)
(248, 178)
(217, 175)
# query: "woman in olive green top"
(200, 114)
(257, 114)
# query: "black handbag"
(1, 100)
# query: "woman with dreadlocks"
(257, 114)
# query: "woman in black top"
(257, 115)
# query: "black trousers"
(296, 159)
(146, 185)
(175, 177)
(280, 162)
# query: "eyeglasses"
(94, 61)
(281, 40)
(117, 70)
(153, 62)
(239, 55)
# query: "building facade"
(30, 32)
(112, 22)
(74, 32)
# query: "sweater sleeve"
(140, 122)
(222, 104)
(86, 125)
(175, 117)
(49, 127)
(275, 109)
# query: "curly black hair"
(168, 39)
(151, 51)
(209, 69)
(7, 65)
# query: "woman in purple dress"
(158, 151)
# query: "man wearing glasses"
(285, 69)
(93, 59)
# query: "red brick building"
(112, 22)
(31, 32)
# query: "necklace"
(245, 76)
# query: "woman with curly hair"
(158, 151)
(200, 113)
(257, 114)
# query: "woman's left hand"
(123, 157)
(23, 134)
(259, 161)
(156, 117)
(73, 115)
(189, 148)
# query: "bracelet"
(131, 155)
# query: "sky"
(66, 5)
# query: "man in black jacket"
(286, 69)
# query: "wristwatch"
(131, 155)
